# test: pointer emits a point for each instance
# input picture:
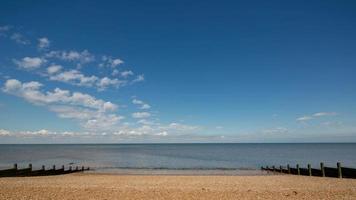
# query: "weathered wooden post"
(76, 168)
(298, 170)
(339, 172)
(30, 166)
(82, 168)
(273, 168)
(288, 169)
(15, 166)
(63, 167)
(54, 167)
(322, 169)
(43, 168)
(70, 168)
(309, 170)
(281, 169)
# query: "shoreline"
(182, 172)
(109, 186)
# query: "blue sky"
(177, 71)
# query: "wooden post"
(82, 168)
(322, 169)
(298, 170)
(76, 168)
(43, 168)
(54, 167)
(70, 168)
(339, 172)
(281, 169)
(63, 167)
(288, 169)
(30, 166)
(15, 166)
(309, 170)
(274, 169)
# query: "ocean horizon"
(178, 158)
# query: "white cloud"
(89, 119)
(163, 133)
(105, 82)
(158, 130)
(39, 133)
(142, 104)
(30, 63)
(54, 69)
(110, 62)
(126, 73)
(321, 114)
(82, 57)
(116, 62)
(145, 122)
(20, 39)
(181, 127)
(74, 77)
(140, 115)
(315, 115)
(43, 43)
(115, 72)
(304, 118)
(4, 132)
(91, 112)
(30, 91)
(138, 78)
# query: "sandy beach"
(106, 186)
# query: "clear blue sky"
(177, 71)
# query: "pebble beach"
(111, 186)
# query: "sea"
(225, 159)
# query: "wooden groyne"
(323, 171)
(16, 172)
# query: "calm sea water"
(128, 158)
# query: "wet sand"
(106, 186)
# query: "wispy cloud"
(75, 77)
(142, 104)
(275, 131)
(4, 30)
(138, 78)
(43, 43)
(321, 114)
(315, 116)
(304, 118)
(140, 115)
(19, 38)
(108, 61)
(82, 57)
